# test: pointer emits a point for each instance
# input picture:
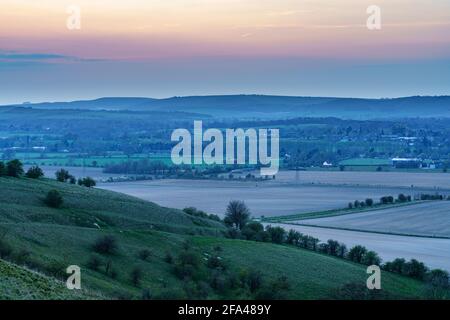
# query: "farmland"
(424, 219)
(65, 236)
(61, 159)
(380, 179)
(315, 191)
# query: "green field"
(76, 160)
(56, 238)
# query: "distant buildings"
(398, 163)
(406, 163)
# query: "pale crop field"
(263, 198)
(389, 179)
(424, 219)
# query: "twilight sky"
(160, 48)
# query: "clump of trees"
(431, 197)
(402, 198)
(413, 268)
(199, 213)
(34, 173)
(144, 254)
(13, 168)
(105, 245)
(387, 200)
(237, 215)
(207, 274)
(136, 276)
(54, 199)
(255, 231)
(62, 175)
(87, 182)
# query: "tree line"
(240, 226)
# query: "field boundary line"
(338, 212)
(367, 231)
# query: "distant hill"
(262, 106)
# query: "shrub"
(438, 284)
(34, 173)
(369, 202)
(146, 294)
(395, 266)
(22, 257)
(109, 270)
(168, 258)
(293, 237)
(94, 263)
(218, 281)
(215, 262)
(87, 182)
(233, 233)
(276, 290)
(415, 269)
(5, 249)
(342, 251)
(357, 291)
(276, 234)
(54, 199)
(357, 253)
(56, 269)
(144, 254)
(171, 294)
(371, 258)
(387, 200)
(63, 175)
(251, 230)
(189, 258)
(252, 279)
(402, 198)
(2, 169)
(136, 276)
(333, 247)
(188, 265)
(105, 245)
(14, 168)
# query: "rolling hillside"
(247, 106)
(49, 240)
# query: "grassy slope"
(19, 283)
(65, 236)
(312, 275)
(85, 207)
